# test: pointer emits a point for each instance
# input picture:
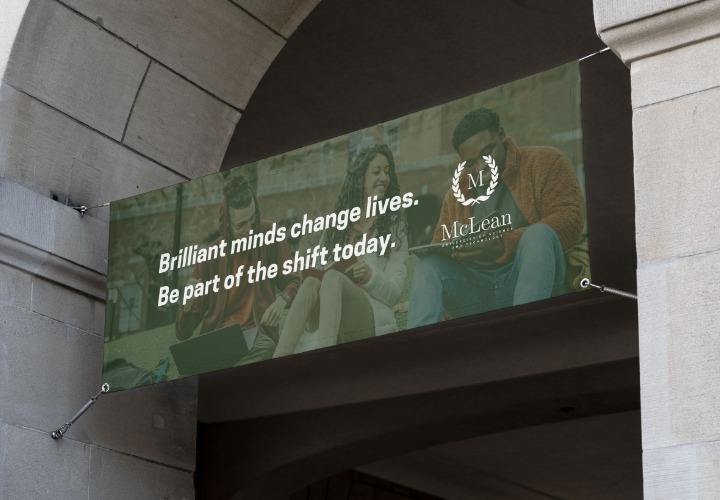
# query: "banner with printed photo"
(455, 210)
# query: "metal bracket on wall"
(58, 433)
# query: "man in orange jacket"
(522, 209)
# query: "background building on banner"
(585, 397)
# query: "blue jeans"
(443, 284)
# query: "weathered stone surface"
(179, 125)
(688, 23)
(46, 225)
(682, 472)
(15, 286)
(672, 56)
(128, 422)
(39, 356)
(32, 465)
(99, 320)
(283, 16)
(12, 14)
(684, 71)
(210, 42)
(109, 473)
(54, 155)
(35, 262)
(609, 13)
(679, 350)
(64, 305)
(653, 340)
(68, 63)
(676, 177)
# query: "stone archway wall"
(671, 48)
(101, 100)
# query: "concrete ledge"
(38, 262)
(680, 72)
(39, 222)
(688, 23)
(610, 13)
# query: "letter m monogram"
(473, 182)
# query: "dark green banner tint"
(459, 209)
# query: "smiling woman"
(371, 174)
(355, 303)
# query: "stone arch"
(101, 100)
(133, 97)
(83, 128)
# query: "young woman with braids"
(356, 303)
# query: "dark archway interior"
(552, 409)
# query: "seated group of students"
(536, 188)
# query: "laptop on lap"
(215, 350)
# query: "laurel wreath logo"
(491, 188)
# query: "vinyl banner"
(456, 210)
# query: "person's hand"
(359, 272)
(484, 250)
(273, 313)
(188, 305)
